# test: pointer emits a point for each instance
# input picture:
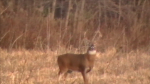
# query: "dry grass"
(38, 67)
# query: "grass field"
(39, 67)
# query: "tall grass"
(33, 66)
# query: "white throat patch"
(92, 52)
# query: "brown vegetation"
(38, 67)
(77, 62)
(71, 23)
(30, 27)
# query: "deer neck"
(90, 57)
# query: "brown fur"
(76, 62)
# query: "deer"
(82, 63)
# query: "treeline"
(52, 24)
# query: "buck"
(77, 62)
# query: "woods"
(42, 24)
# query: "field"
(40, 67)
(34, 32)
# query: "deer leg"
(60, 75)
(65, 75)
(88, 70)
(62, 71)
(84, 77)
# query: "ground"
(40, 67)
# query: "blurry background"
(42, 24)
